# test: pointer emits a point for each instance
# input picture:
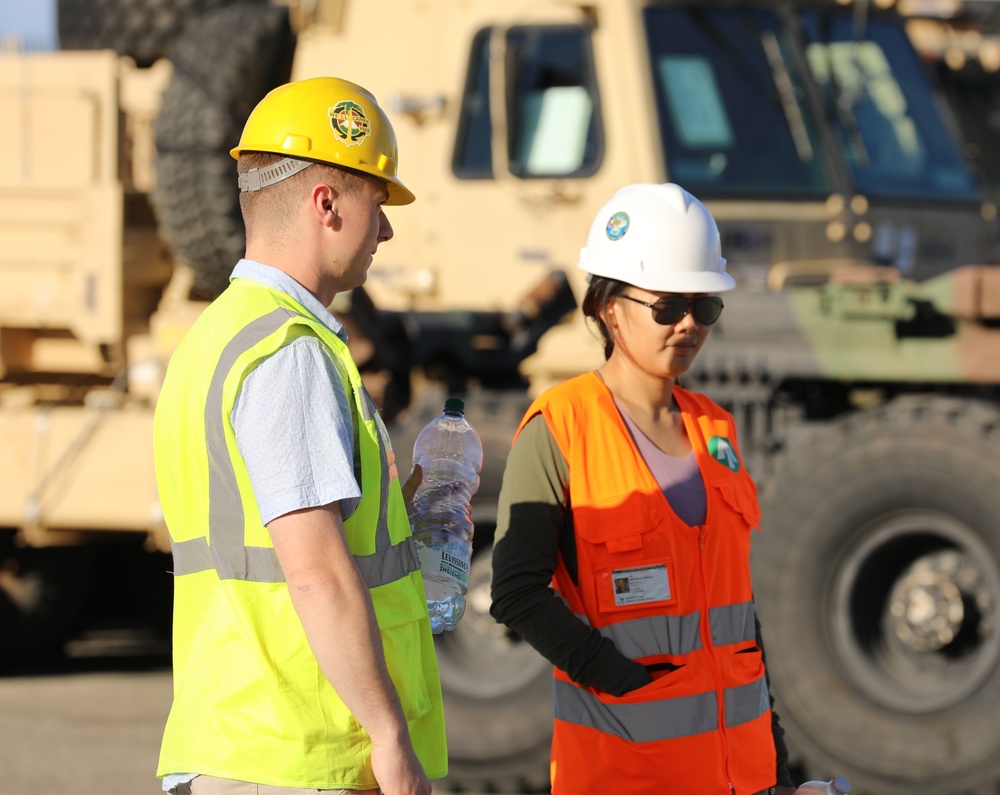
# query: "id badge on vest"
(636, 586)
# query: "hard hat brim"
(694, 282)
(399, 193)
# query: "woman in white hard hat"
(623, 542)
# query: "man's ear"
(323, 200)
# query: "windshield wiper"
(787, 95)
(844, 102)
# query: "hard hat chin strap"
(257, 179)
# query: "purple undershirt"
(679, 477)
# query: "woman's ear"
(609, 314)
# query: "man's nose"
(384, 227)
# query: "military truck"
(860, 353)
(962, 44)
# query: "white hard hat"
(659, 238)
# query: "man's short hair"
(271, 210)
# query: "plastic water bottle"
(838, 786)
(450, 454)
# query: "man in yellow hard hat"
(303, 656)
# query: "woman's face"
(662, 351)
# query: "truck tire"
(43, 593)
(211, 93)
(142, 29)
(877, 581)
(497, 699)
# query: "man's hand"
(397, 769)
(412, 483)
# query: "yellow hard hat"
(322, 120)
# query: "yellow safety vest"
(250, 701)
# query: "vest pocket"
(630, 555)
(612, 530)
(648, 584)
(742, 666)
(398, 643)
(402, 620)
(740, 495)
(680, 682)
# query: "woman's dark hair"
(600, 291)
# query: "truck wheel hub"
(927, 610)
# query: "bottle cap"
(454, 406)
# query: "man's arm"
(333, 603)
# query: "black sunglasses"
(671, 308)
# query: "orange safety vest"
(663, 592)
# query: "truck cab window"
(551, 106)
(731, 108)
(880, 101)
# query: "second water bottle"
(450, 455)
(837, 786)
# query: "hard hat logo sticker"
(617, 226)
(349, 122)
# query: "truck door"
(528, 158)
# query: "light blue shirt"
(292, 416)
(293, 423)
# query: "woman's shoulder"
(697, 401)
(580, 388)
(565, 406)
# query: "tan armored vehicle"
(861, 353)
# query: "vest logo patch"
(721, 449)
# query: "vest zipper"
(709, 648)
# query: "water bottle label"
(448, 559)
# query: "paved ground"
(83, 726)
(87, 724)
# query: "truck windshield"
(730, 104)
(877, 94)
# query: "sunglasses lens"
(707, 310)
(670, 309)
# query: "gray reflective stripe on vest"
(227, 553)
(746, 702)
(663, 719)
(667, 719)
(230, 556)
(644, 637)
(732, 623)
(389, 563)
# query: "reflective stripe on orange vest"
(662, 719)
(645, 637)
